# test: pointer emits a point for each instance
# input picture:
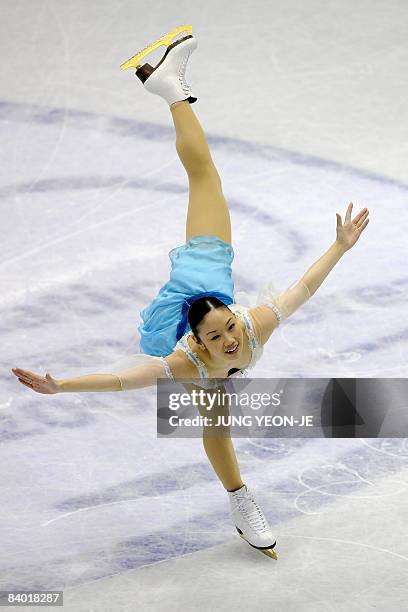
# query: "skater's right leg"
(207, 208)
(208, 211)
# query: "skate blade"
(167, 39)
(269, 552)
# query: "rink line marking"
(123, 184)
(63, 237)
(64, 108)
(381, 450)
(244, 146)
(353, 542)
(136, 569)
(344, 495)
(337, 540)
(62, 516)
(310, 489)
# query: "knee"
(192, 151)
(204, 171)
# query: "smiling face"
(219, 331)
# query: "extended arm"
(136, 377)
(347, 235)
(90, 382)
(272, 308)
(316, 274)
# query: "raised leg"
(207, 208)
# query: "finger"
(361, 214)
(348, 213)
(27, 377)
(360, 229)
(23, 382)
(25, 372)
(362, 219)
(338, 220)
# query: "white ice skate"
(250, 521)
(167, 79)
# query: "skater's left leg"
(221, 454)
(217, 439)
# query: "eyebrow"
(214, 330)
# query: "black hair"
(199, 309)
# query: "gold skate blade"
(166, 39)
(269, 552)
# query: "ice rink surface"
(303, 106)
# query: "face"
(219, 331)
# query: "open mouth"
(233, 351)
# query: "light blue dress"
(202, 266)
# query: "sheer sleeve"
(139, 370)
(286, 303)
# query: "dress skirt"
(201, 266)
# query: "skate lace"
(252, 512)
(182, 76)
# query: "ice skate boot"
(250, 521)
(167, 79)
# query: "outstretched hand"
(40, 384)
(350, 231)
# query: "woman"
(193, 329)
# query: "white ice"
(303, 107)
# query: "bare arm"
(49, 385)
(177, 366)
(316, 274)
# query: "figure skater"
(193, 328)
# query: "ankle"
(236, 489)
(175, 104)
